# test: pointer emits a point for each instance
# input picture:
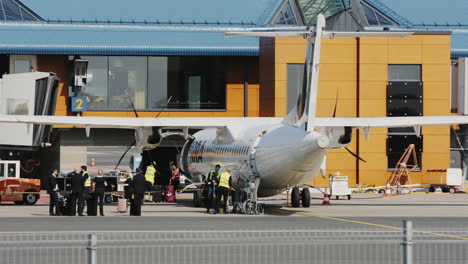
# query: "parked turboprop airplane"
(268, 155)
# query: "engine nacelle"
(147, 137)
(338, 137)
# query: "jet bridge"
(32, 93)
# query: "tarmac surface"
(430, 210)
(366, 229)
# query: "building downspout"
(246, 90)
(358, 67)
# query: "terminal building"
(171, 60)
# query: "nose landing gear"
(251, 206)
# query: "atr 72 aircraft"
(267, 155)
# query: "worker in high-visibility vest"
(149, 177)
(224, 187)
(211, 183)
(150, 172)
(87, 179)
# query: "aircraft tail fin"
(304, 111)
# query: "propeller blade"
(336, 103)
(457, 138)
(355, 155)
(164, 108)
(123, 155)
(134, 141)
(133, 106)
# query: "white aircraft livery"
(267, 155)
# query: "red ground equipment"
(16, 189)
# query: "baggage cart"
(448, 180)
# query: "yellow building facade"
(357, 70)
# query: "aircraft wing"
(388, 122)
(138, 122)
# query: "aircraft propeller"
(334, 115)
(136, 115)
(134, 140)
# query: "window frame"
(403, 133)
(221, 74)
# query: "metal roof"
(425, 13)
(459, 45)
(47, 38)
(255, 12)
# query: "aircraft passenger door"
(253, 151)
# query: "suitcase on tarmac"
(170, 193)
(91, 205)
(65, 204)
(122, 205)
(157, 193)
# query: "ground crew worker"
(52, 190)
(212, 181)
(149, 175)
(224, 187)
(87, 184)
(87, 179)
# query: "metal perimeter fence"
(376, 245)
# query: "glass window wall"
(155, 83)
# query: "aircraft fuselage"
(281, 155)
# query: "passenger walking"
(99, 189)
(77, 187)
(212, 182)
(138, 187)
(224, 187)
(52, 189)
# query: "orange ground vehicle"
(16, 189)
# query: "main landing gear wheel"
(295, 197)
(305, 195)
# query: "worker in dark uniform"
(52, 189)
(224, 187)
(138, 187)
(99, 188)
(77, 187)
(87, 184)
(212, 182)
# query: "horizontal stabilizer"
(325, 34)
(270, 34)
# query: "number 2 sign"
(79, 104)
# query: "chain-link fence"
(379, 245)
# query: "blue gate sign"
(79, 104)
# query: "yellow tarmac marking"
(367, 223)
